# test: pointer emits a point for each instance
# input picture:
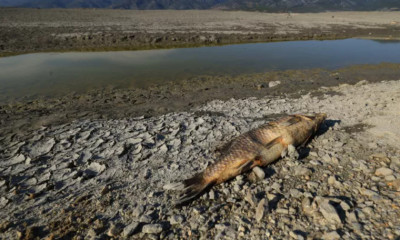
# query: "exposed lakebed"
(55, 74)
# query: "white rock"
(331, 236)
(260, 210)
(329, 212)
(272, 84)
(130, 229)
(259, 173)
(383, 171)
(152, 228)
(42, 147)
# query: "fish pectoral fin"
(264, 156)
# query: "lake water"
(53, 74)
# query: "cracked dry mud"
(104, 179)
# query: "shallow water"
(55, 74)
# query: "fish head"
(316, 119)
(319, 118)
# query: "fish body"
(258, 147)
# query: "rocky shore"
(104, 179)
(34, 30)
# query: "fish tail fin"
(192, 188)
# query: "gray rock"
(17, 159)
(282, 211)
(260, 210)
(329, 212)
(176, 219)
(295, 193)
(383, 171)
(130, 229)
(42, 147)
(152, 228)
(146, 219)
(312, 185)
(272, 84)
(3, 202)
(301, 171)
(138, 211)
(260, 174)
(250, 198)
(292, 152)
(113, 231)
(331, 236)
(95, 168)
(368, 192)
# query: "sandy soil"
(30, 30)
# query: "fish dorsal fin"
(291, 121)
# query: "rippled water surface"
(55, 74)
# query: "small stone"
(272, 84)
(368, 193)
(250, 198)
(211, 195)
(42, 147)
(312, 185)
(260, 210)
(152, 228)
(95, 168)
(130, 229)
(145, 219)
(113, 231)
(276, 186)
(105, 190)
(301, 171)
(91, 234)
(17, 159)
(4, 226)
(259, 173)
(331, 236)
(3, 202)
(329, 212)
(282, 211)
(390, 178)
(344, 205)
(368, 210)
(138, 211)
(176, 219)
(292, 152)
(295, 193)
(383, 171)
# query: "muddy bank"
(34, 30)
(103, 179)
(181, 96)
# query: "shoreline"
(181, 95)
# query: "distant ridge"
(260, 5)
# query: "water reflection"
(49, 74)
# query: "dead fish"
(258, 147)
